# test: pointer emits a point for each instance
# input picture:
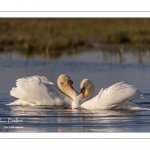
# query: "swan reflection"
(50, 119)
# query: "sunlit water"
(104, 68)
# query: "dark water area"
(104, 68)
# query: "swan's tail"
(138, 108)
(130, 106)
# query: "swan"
(37, 90)
(117, 96)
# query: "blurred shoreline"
(56, 36)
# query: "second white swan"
(117, 96)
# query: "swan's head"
(86, 88)
(64, 83)
(87, 92)
(64, 80)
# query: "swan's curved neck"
(70, 92)
(89, 93)
(67, 90)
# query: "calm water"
(104, 68)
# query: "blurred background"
(52, 37)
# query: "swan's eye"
(62, 83)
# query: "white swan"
(117, 96)
(37, 90)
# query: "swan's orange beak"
(70, 82)
(83, 92)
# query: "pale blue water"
(104, 68)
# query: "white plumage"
(117, 96)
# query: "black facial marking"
(83, 89)
(70, 81)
